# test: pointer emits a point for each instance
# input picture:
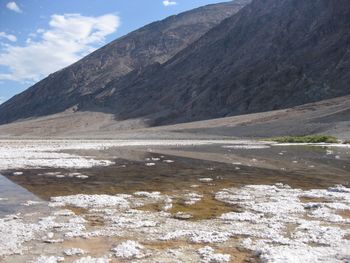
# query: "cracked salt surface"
(275, 223)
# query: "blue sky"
(38, 37)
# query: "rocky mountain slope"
(154, 43)
(273, 54)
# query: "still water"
(303, 167)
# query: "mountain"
(154, 43)
(272, 54)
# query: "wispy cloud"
(8, 36)
(169, 3)
(69, 38)
(14, 7)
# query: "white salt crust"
(192, 198)
(23, 154)
(247, 147)
(205, 180)
(277, 224)
(48, 259)
(90, 259)
(208, 255)
(129, 250)
(74, 251)
(270, 210)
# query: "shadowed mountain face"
(273, 54)
(154, 43)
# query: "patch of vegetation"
(305, 139)
(346, 142)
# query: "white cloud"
(169, 3)
(14, 7)
(8, 36)
(69, 38)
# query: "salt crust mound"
(129, 249)
(209, 256)
(277, 224)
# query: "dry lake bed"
(173, 201)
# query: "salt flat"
(276, 227)
(90, 206)
(18, 154)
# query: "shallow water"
(299, 167)
(303, 167)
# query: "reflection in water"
(12, 196)
(301, 167)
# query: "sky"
(39, 37)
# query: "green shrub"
(305, 139)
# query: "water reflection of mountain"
(128, 176)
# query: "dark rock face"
(154, 43)
(273, 54)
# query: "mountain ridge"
(153, 43)
(263, 58)
(271, 54)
